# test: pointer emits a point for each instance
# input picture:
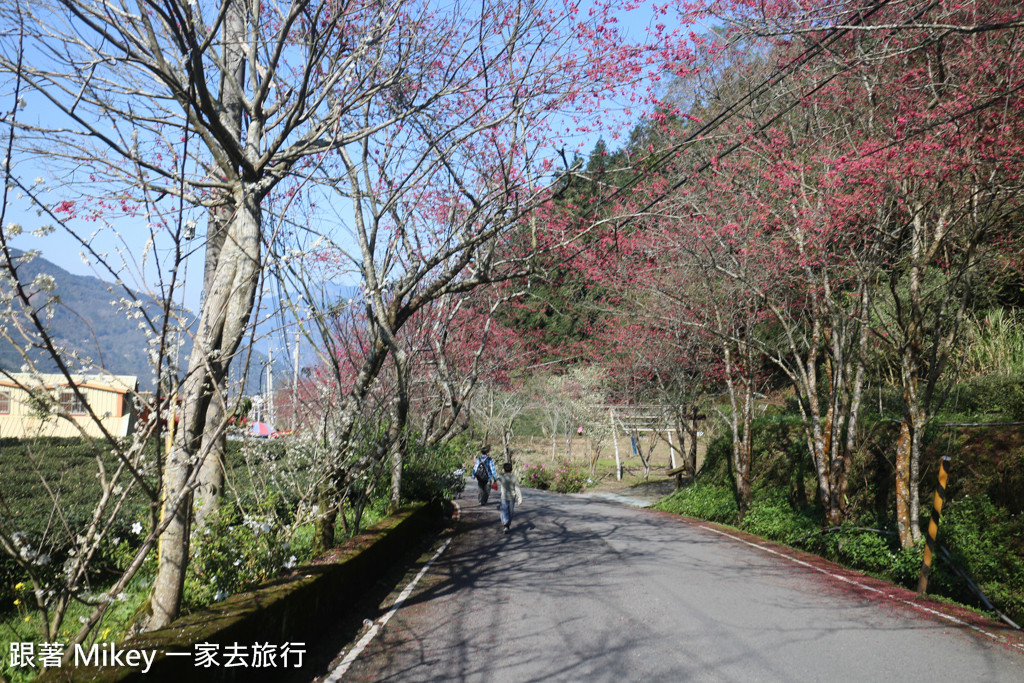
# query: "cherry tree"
(889, 161)
(433, 128)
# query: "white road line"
(861, 585)
(340, 670)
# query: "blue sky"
(128, 242)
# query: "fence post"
(615, 440)
(933, 525)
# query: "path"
(588, 589)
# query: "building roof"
(120, 384)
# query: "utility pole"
(270, 387)
(295, 382)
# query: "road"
(591, 590)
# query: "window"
(5, 403)
(71, 403)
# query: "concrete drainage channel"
(290, 616)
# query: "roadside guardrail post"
(933, 525)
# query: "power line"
(733, 109)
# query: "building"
(47, 405)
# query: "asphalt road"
(593, 590)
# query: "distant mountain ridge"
(88, 321)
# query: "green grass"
(24, 625)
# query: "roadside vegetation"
(982, 522)
(252, 538)
(791, 268)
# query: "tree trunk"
(211, 473)
(323, 525)
(741, 465)
(903, 518)
(399, 443)
(396, 479)
(742, 448)
(225, 316)
(917, 435)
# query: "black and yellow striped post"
(933, 525)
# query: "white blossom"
(44, 282)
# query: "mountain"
(89, 321)
(86, 320)
(276, 331)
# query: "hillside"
(87, 320)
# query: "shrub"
(997, 397)
(703, 500)
(774, 518)
(857, 548)
(535, 476)
(868, 551)
(431, 474)
(569, 477)
(235, 552)
(69, 468)
(985, 543)
(906, 566)
(716, 462)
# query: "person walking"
(511, 495)
(484, 473)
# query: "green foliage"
(906, 566)
(716, 462)
(982, 525)
(703, 500)
(120, 546)
(989, 397)
(779, 460)
(69, 468)
(374, 510)
(994, 344)
(569, 477)
(988, 544)
(431, 474)
(535, 476)
(236, 551)
(861, 548)
(772, 516)
(24, 623)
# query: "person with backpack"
(511, 495)
(484, 473)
